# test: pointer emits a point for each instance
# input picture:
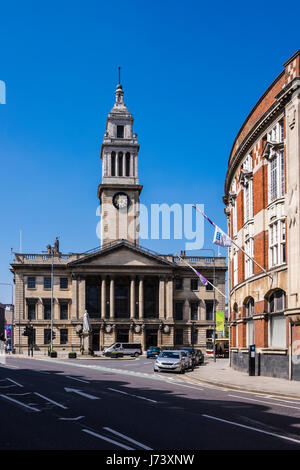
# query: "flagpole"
(214, 287)
(235, 244)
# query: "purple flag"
(202, 278)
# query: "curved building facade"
(262, 207)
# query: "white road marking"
(51, 401)
(20, 403)
(72, 419)
(18, 394)
(86, 395)
(16, 383)
(129, 439)
(107, 439)
(252, 428)
(265, 402)
(132, 395)
(270, 397)
(78, 380)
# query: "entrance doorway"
(151, 338)
(95, 340)
(123, 336)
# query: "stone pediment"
(121, 253)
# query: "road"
(123, 405)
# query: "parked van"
(128, 349)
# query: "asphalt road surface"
(123, 405)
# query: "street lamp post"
(214, 300)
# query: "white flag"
(220, 238)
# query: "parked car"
(153, 351)
(199, 356)
(128, 349)
(173, 361)
(192, 352)
(189, 361)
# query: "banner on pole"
(220, 321)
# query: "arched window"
(235, 312)
(277, 319)
(120, 163)
(276, 301)
(127, 164)
(249, 306)
(113, 164)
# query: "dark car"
(199, 356)
(153, 351)
(193, 354)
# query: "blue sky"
(191, 72)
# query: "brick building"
(262, 207)
(129, 292)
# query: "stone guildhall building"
(262, 205)
(130, 293)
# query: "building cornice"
(261, 124)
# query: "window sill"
(274, 350)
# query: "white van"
(128, 349)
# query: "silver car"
(173, 361)
(188, 359)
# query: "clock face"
(121, 201)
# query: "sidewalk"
(219, 373)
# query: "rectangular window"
(276, 176)
(209, 286)
(194, 336)
(47, 282)
(250, 332)
(31, 309)
(31, 283)
(178, 336)
(235, 268)
(63, 336)
(277, 248)
(194, 311)
(178, 283)
(277, 330)
(248, 200)
(64, 283)
(194, 284)
(178, 311)
(47, 309)
(120, 132)
(249, 244)
(209, 304)
(209, 334)
(64, 310)
(47, 336)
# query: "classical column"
(141, 298)
(112, 298)
(124, 164)
(103, 297)
(74, 298)
(170, 298)
(131, 164)
(132, 297)
(82, 305)
(101, 337)
(162, 298)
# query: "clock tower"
(120, 190)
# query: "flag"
(220, 238)
(203, 279)
(220, 321)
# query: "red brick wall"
(241, 335)
(261, 251)
(240, 209)
(260, 189)
(261, 333)
(241, 266)
(262, 106)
